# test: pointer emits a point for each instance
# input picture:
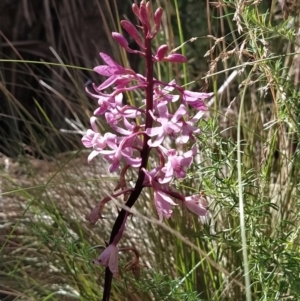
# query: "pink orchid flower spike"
(139, 126)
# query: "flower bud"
(136, 10)
(132, 31)
(144, 16)
(149, 8)
(94, 215)
(157, 18)
(122, 42)
(120, 39)
(176, 58)
(161, 52)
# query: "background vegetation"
(248, 163)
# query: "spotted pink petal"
(107, 70)
(109, 61)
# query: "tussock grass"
(248, 158)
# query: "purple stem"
(144, 155)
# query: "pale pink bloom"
(162, 200)
(168, 127)
(112, 68)
(164, 94)
(119, 112)
(93, 139)
(120, 81)
(163, 204)
(113, 148)
(128, 130)
(125, 150)
(177, 164)
(188, 129)
(109, 258)
(114, 157)
(195, 99)
(107, 102)
(196, 204)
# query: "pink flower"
(119, 147)
(196, 204)
(112, 68)
(168, 127)
(162, 201)
(106, 102)
(194, 99)
(163, 204)
(119, 112)
(164, 94)
(94, 139)
(125, 150)
(177, 165)
(188, 129)
(109, 258)
(115, 72)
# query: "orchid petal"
(154, 131)
(109, 61)
(110, 258)
(107, 70)
(92, 155)
(196, 204)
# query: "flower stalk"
(134, 143)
